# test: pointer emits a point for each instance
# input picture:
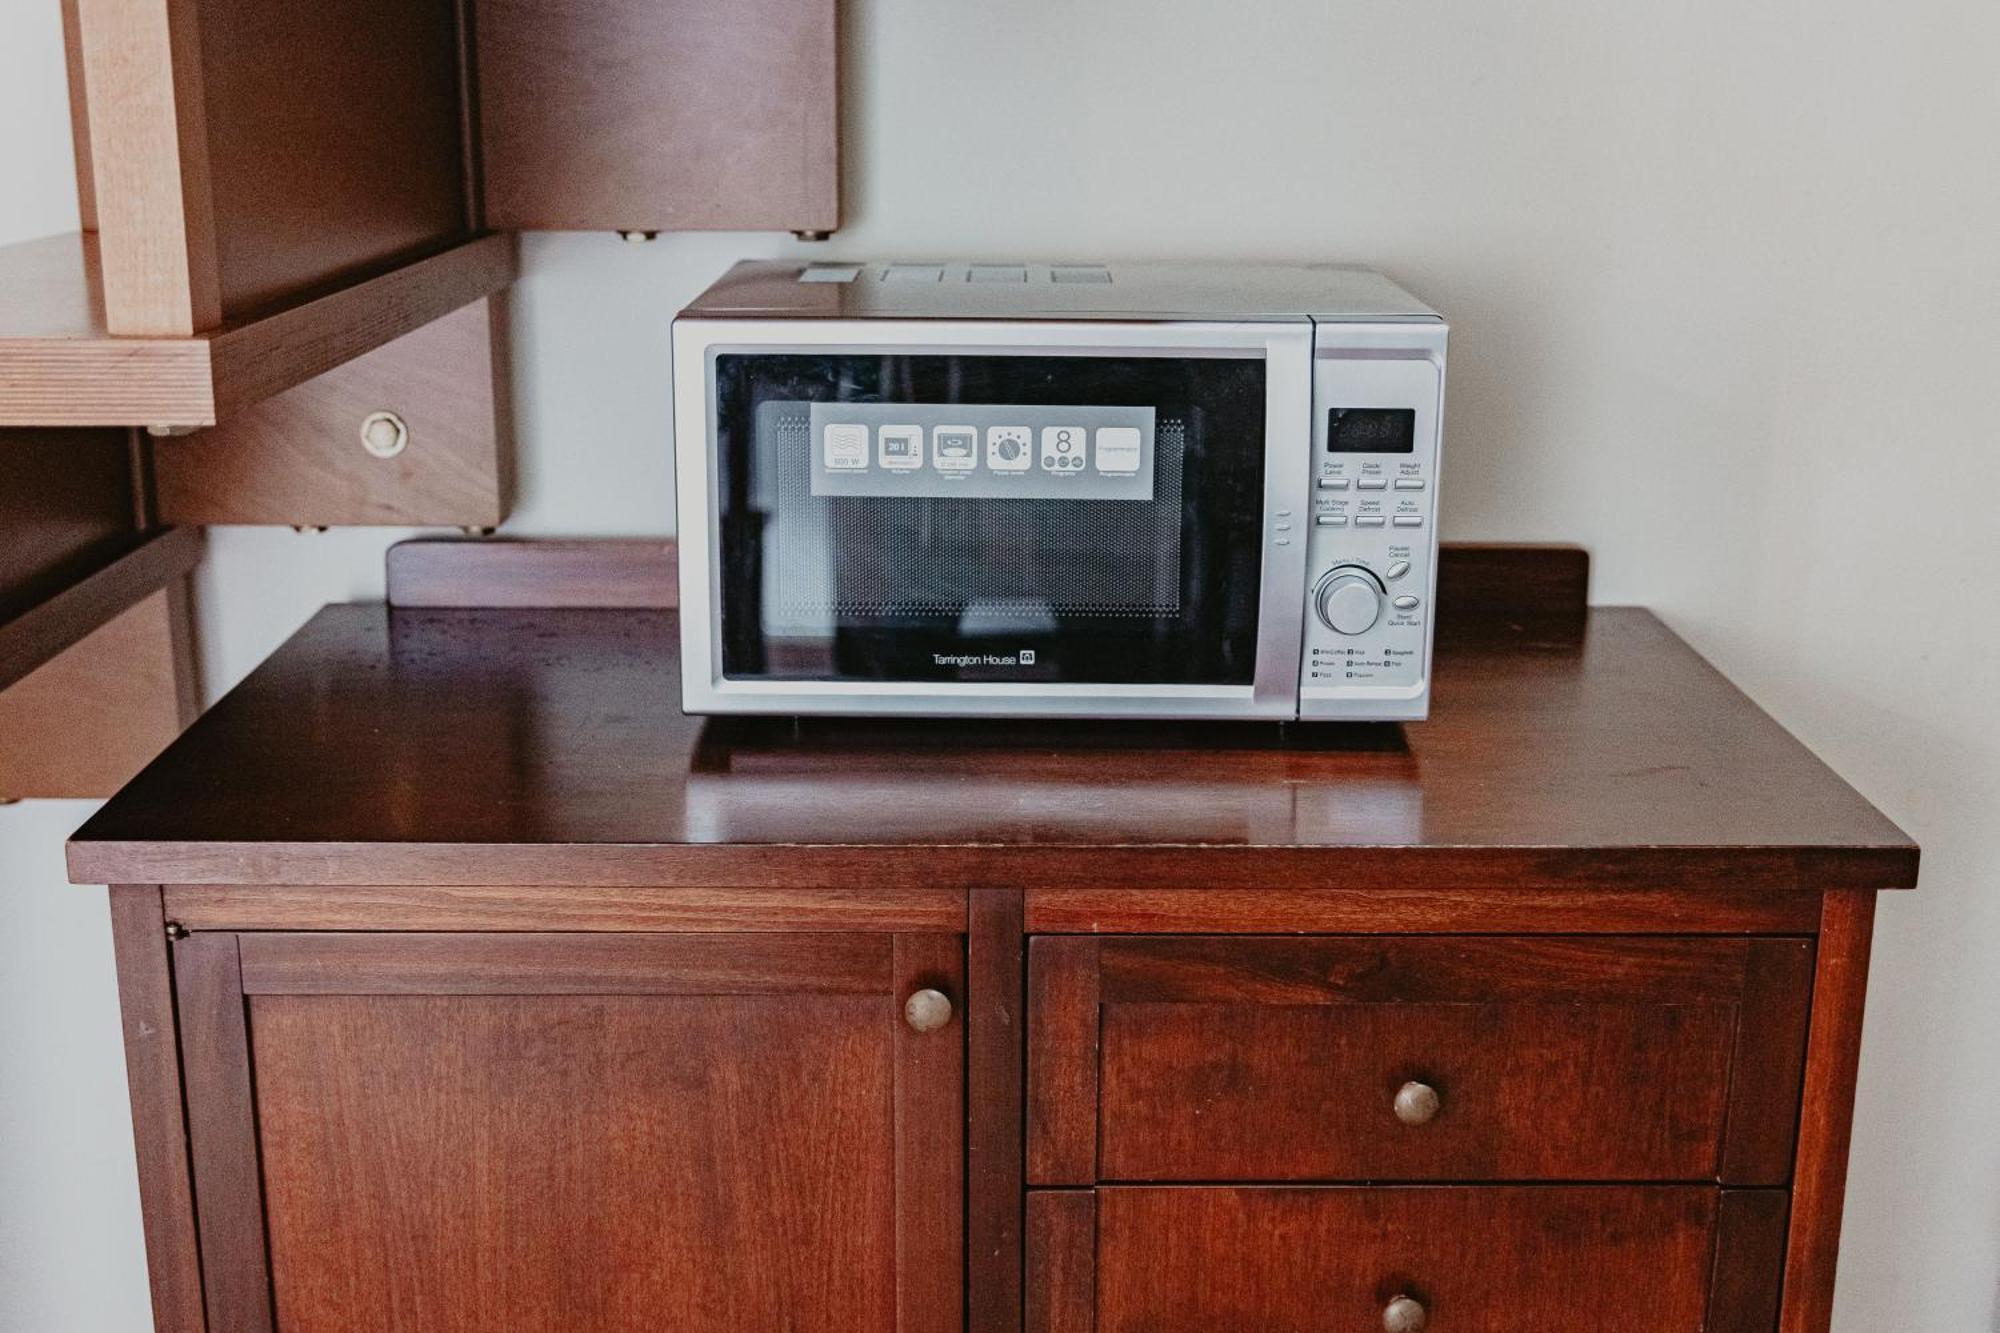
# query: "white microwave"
(1072, 490)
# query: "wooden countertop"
(540, 747)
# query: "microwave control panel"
(1371, 569)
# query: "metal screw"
(638, 237)
(176, 931)
(1404, 1315)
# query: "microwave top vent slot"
(1080, 273)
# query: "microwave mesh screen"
(1006, 563)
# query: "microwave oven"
(1070, 490)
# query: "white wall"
(1724, 282)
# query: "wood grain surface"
(995, 1076)
(415, 963)
(149, 152)
(159, 1122)
(617, 1163)
(556, 907)
(334, 147)
(61, 365)
(636, 574)
(546, 747)
(1496, 1259)
(1826, 1124)
(1062, 1262)
(145, 565)
(81, 724)
(297, 458)
(605, 115)
(223, 1133)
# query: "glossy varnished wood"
(1833, 1061)
(733, 1139)
(996, 1068)
(1749, 1261)
(1395, 911)
(930, 1225)
(329, 963)
(1062, 1262)
(1496, 1259)
(546, 747)
(554, 907)
(1280, 1059)
(159, 1125)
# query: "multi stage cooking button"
(1331, 520)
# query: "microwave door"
(997, 531)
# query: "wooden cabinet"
(1500, 1259)
(468, 984)
(556, 1131)
(1453, 1058)
(1246, 1113)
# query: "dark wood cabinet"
(1453, 1058)
(468, 985)
(557, 1131)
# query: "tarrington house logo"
(1025, 657)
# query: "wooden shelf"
(47, 630)
(59, 366)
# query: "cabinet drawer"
(1419, 1059)
(1496, 1259)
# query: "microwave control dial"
(1349, 599)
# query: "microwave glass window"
(1371, 430)
(1037, 519)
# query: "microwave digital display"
(1371, 430)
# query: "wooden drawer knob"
(1404, 1315)
(1416, 1104)
(927, 1010)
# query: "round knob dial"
(1348, 599)
(1404, 1315)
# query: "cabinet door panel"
(618, 1132)
(556, 1162)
